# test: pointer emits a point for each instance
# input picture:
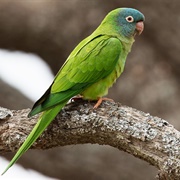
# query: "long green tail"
(44, 120)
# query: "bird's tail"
(44, 120)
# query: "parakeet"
(90, 70)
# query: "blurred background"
(51, 29)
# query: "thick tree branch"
(140, 134)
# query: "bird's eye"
(129, 19)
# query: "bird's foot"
(100, 101)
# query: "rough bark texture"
(140, 134)
(150, 83)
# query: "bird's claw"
(100, 101)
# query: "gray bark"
(140, 134)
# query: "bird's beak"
(139, 27)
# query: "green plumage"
(92, 67)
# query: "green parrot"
(90, 70)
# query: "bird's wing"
(86, 65)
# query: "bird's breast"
(100, 88)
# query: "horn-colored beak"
(139, 27)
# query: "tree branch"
(140, 134)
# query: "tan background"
(150, 83)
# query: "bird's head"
(131, 21)
(123, 22)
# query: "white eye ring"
(129, 19)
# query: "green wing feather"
(84, 67)
(93, 59)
